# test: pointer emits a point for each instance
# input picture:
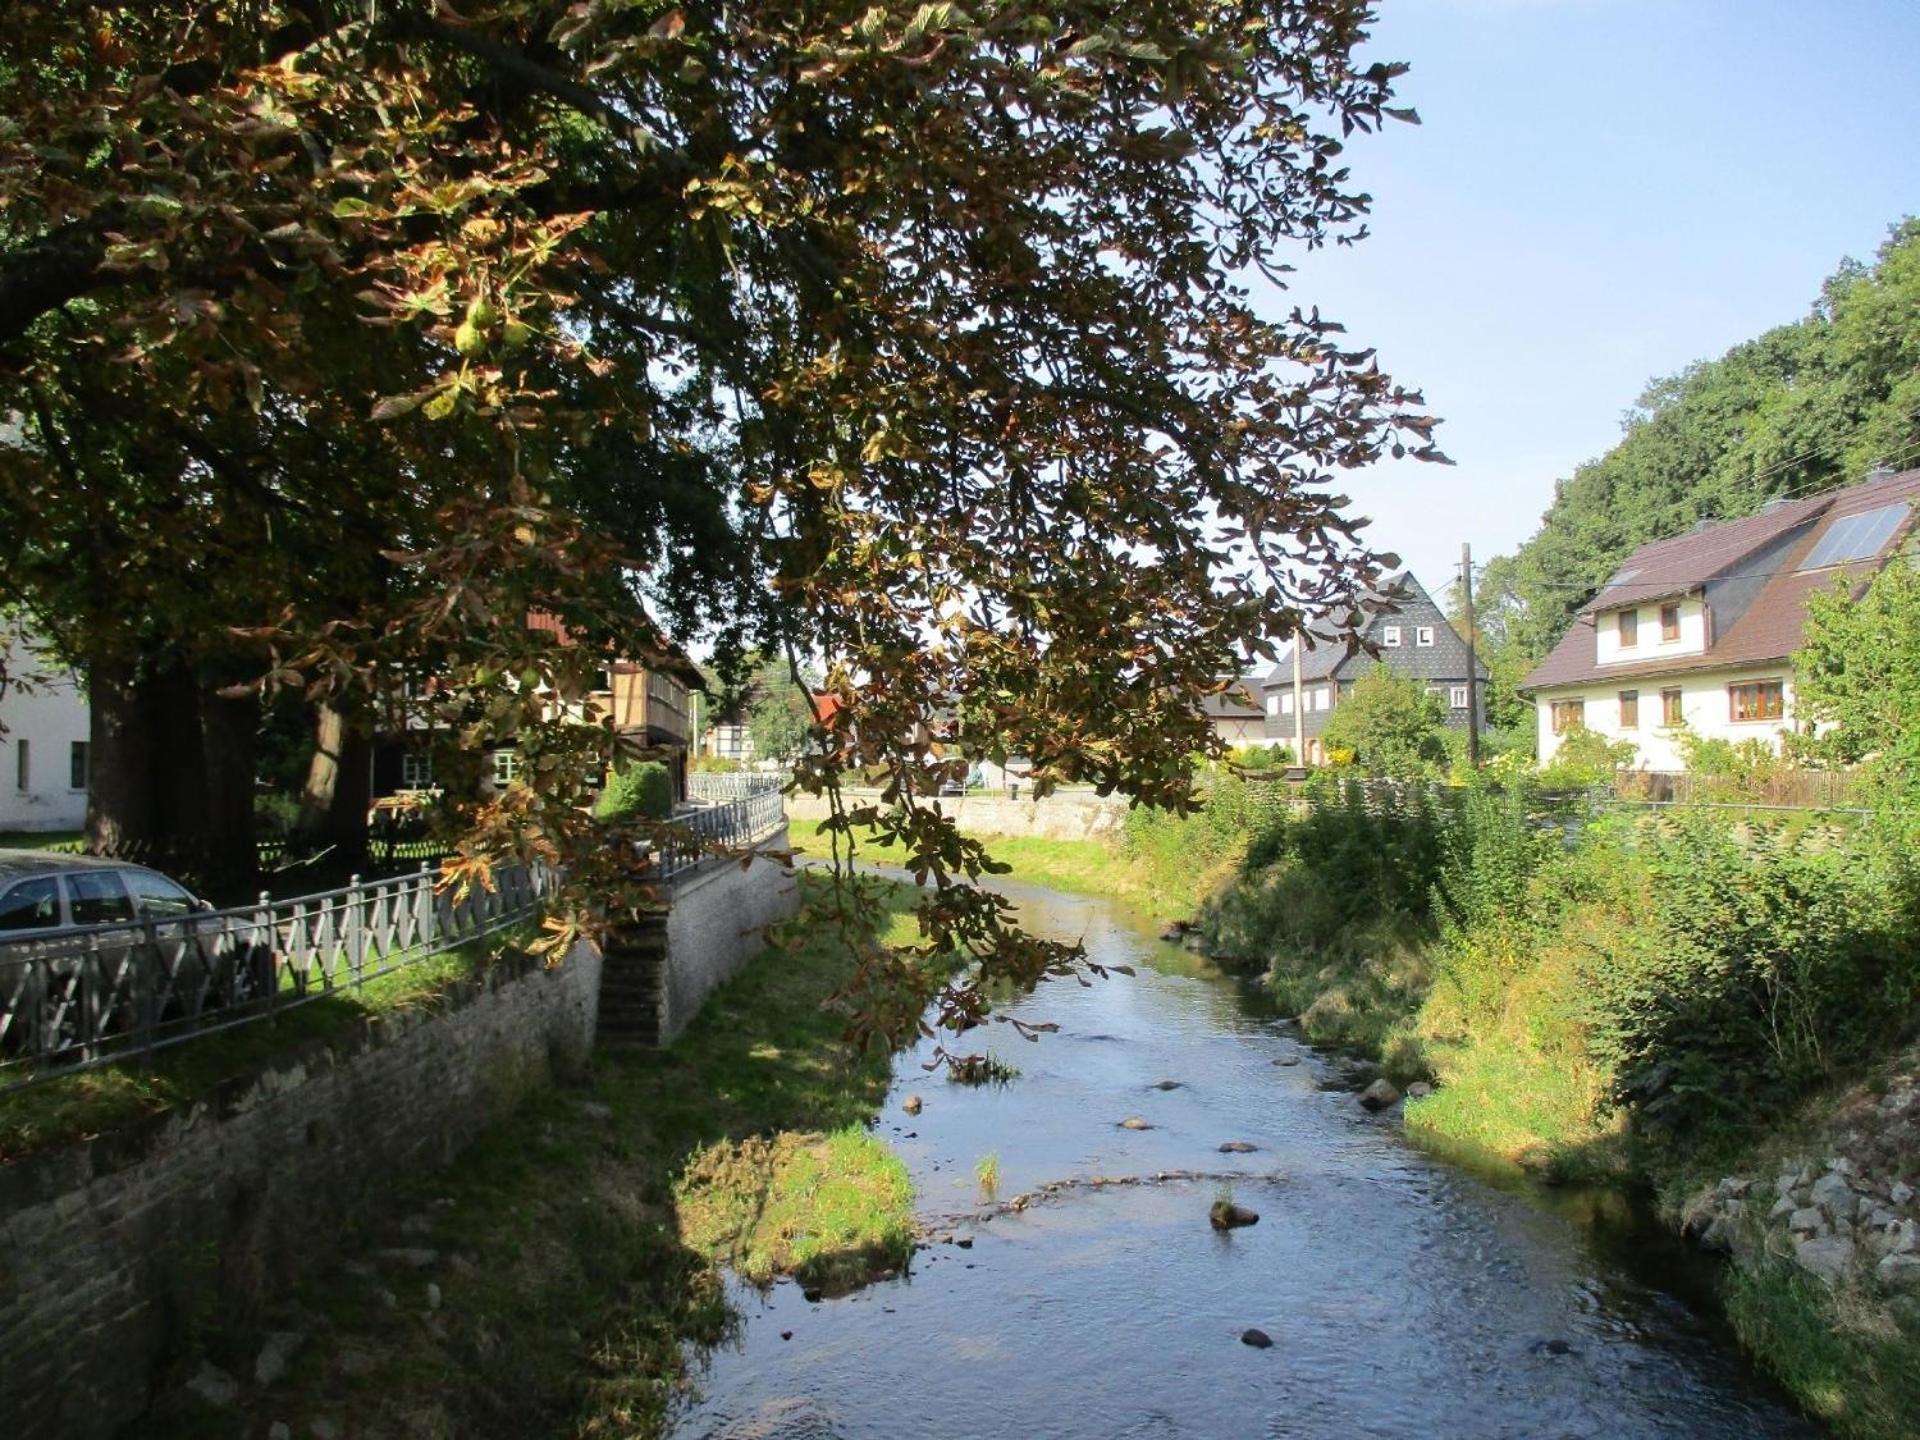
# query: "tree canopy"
(1857, 683)
(342, 337)
(1394, 725)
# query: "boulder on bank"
(1136, 1122)
(1258, 1339)
(1379, 1095)
(1237, 1147)
(911, 1104)
(1828, 1256)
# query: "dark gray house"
(1413, 637)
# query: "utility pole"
(1299, 707)
(1473, 680)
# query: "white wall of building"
(1650, 645)
(44, 709)
(1705, 706)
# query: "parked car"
(92, 947)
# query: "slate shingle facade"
(1329, 667)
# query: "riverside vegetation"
(1676, 1001)
(550, 1280)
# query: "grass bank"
(579, 1246)
(1161, 864)
(1674, 1002)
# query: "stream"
(1404, 1296)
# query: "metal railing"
(731, 785)
(734, 826)
(79, 996)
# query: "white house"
(1699, 631)
(43, 742)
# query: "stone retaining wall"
(658, 973)
(116, 1250)
(1063, 815)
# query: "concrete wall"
(42, 707)
(1063, 815)
(111, 1247)
(717, 923)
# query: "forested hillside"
(1799, 409)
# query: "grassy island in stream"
(582, 1241)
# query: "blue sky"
(1603, 191)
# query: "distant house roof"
(1334, 640)
(654, 651)
(1851, 531)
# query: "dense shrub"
(1762, 962)
(1235, 817)
(640, 791)
(275, 816)
(1585, 757)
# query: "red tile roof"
(1770, 627)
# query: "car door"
(176, 965)
(105, 976)
(27, 907)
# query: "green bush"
(275, 816)
(716, 764)
(1762, 963)
(1585, 758)
(640, 791)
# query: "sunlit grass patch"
(833, 1210)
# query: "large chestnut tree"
(914, 340)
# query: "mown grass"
(78, 1106)
(1144, 877)
(584, 1238)
(38, 839)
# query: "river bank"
(564, 1274)
(1811, 1202)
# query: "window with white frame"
(1423, 635)
(1457, 697)
(506, 767)
(1390, 637)
(1285, 698)
(1321, 699)
(416, 770)
(1273, 704)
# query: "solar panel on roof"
(1857, 537)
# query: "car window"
(31, 905)
(158, 897)
(96, 897)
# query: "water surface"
(1404, 1296)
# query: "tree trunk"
(119, 785)
(230, 735)
(333, 804)
(182, 831)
